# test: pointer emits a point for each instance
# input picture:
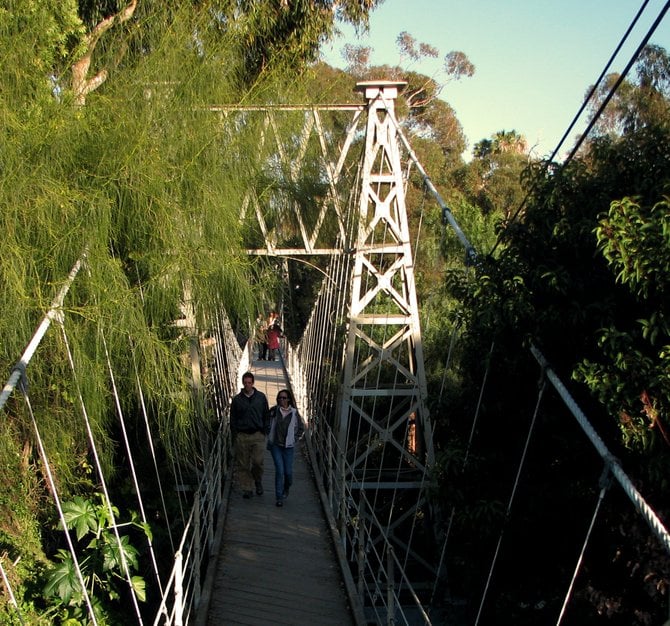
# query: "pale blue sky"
(534, 59)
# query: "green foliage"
(633, 241)
(640, 100)
(632, 379)
(80, 515)
(145, 183)
(154, 207)
(289, 33)
(102, 562)
(435, 120)
(423, 114)
(493, 179)
(588, 286)
(149, 181)
(36, 37)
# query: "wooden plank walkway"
(277, 565)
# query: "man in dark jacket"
(249, 423)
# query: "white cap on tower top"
(385, 88)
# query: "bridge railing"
(181, 599)
(220, 358)
(366, 553)
(379, 589)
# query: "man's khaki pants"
(249, 452)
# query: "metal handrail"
(181, 595)
(181, 600)
(330, 465)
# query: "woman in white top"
(286, 429)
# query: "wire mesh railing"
(382, 591)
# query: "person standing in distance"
(249, 423)
(273, 335)
(286, 429)
(261, 338)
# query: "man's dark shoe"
(259, 488)
(247, 494)
(280, 503)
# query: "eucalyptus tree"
(633, 101)
(420, 108)
(493, 180)
(288, 31)
(428, 119)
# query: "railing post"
(197, 547)
(179, 589)
(329, 448)
(390, 586)
(361, 546)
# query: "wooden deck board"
(277, 565)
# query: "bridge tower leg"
(383, 421)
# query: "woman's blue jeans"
(283, 460)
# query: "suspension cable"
(10, 593)
(131, 460)
(419, 500)
(482, 387)
(61, 514)
(604, 486)
(450, 352)
(600, 110)
(447, 215)
(415, 251)
(150, 443)
(600, 78)
(466, 457)
(634, 495)
(619, 80)
(53, 313)
(508, 511)
(108, 502)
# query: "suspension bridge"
(361, 539)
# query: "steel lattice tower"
(383, 420)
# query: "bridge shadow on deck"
(276, 565)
